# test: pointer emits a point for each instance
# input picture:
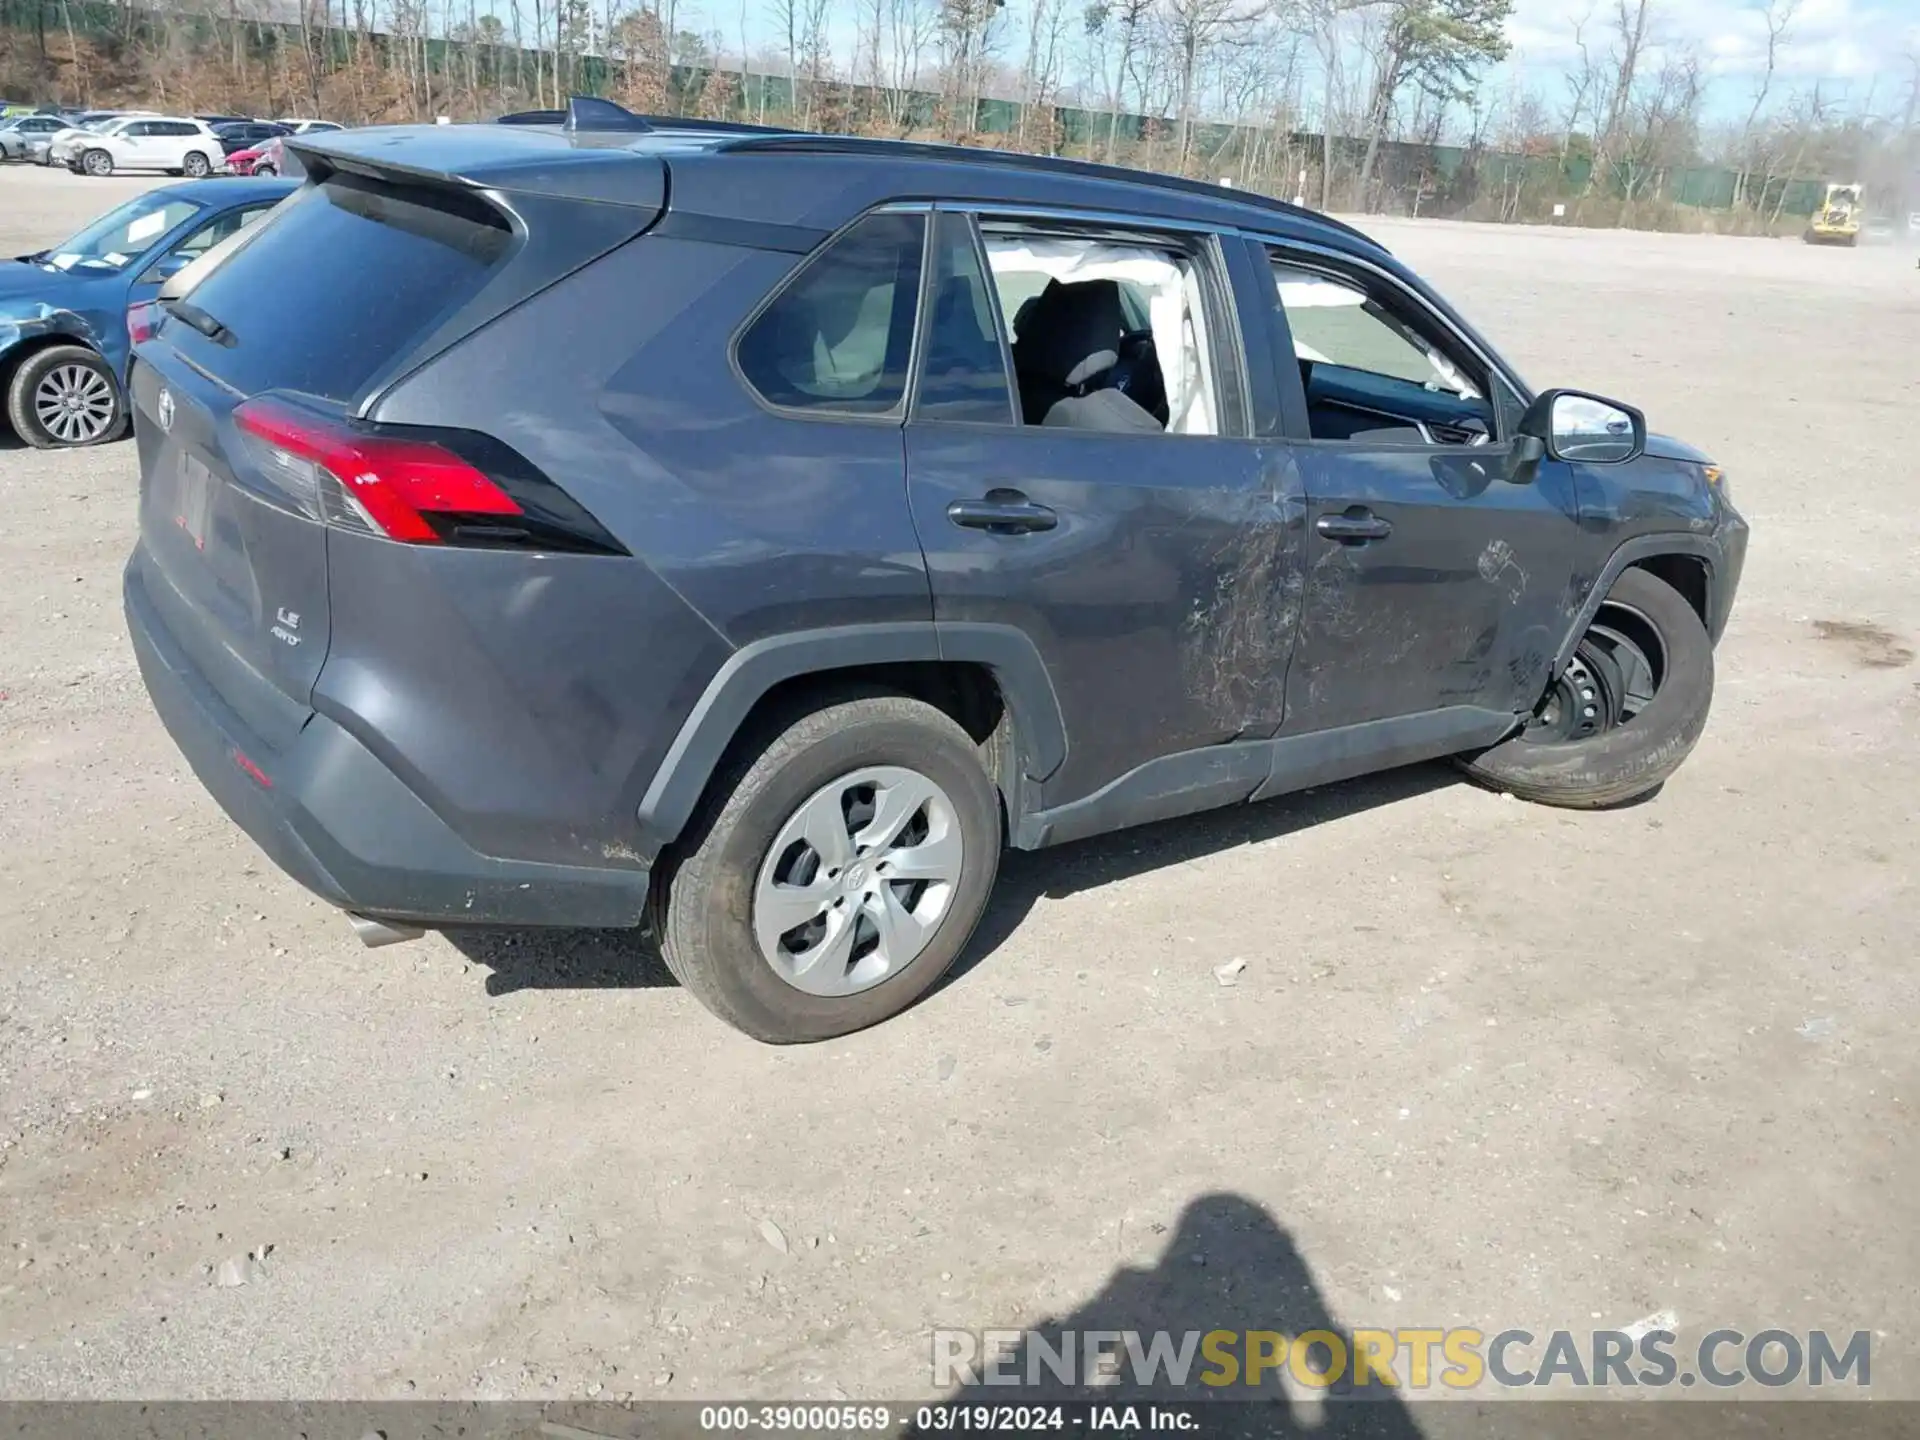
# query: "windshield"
(120, 237)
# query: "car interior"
(1371, 375)
(1105, 334)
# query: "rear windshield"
(342, 283)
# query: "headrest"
(1071, 331)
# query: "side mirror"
(168, 266)
(1584, 429)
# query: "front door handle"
(1003, 512)
(1356, 525)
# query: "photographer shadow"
(1227, 1266)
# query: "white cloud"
(1850, 40)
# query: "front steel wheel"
(1624, 713)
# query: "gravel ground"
(1487, 1064)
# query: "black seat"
(1065, 354)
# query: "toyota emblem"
(163, 410)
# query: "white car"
(149, 142)
(309, 127)
(65, 143)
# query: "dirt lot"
(1487, 1064)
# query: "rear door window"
(342, 284)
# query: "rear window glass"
(343, 282)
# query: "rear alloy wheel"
(65, 397)
(97, 162)
(1624, 713)
(834, 873)
(195, 165)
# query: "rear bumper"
(331, 815)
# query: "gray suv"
(598, 520)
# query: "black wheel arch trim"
(751, 671)
(1630, 553)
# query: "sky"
(1861, 47)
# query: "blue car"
(64, 343)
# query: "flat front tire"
(835, 871)
(1625, 713)
(65, 397)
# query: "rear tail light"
(142, 320)
(415, 485)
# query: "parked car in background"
(273, 158)
(310, 127)
(171, 144)
(242, 162)
(218, 120)
(807, 573)
(66, 143)
(247, 134)
(21, 134)
(64, 310)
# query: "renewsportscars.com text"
(1411, 1359)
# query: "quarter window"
(838, 337)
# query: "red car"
(266, 158)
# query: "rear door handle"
(1003, 512)
(1357, 524)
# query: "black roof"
(596, 133)
(800, 142)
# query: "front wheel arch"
(1665, 556)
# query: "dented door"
(1431, 582)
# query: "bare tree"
(1809, 122)
(1778, 16)
(1630, 23)
(1192, 29)
(1121, 22)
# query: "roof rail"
(1049, 164)
(717, 127)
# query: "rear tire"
(37, 400)
(713, 909)
(195, 166)
(1637, 755)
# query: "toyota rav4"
(598, 520)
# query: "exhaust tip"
(375, 933)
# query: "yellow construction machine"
(1837, 221)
